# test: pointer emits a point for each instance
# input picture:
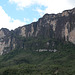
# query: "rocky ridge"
(57, 26)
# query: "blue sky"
(15, 13)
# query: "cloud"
(34, 20)
(8, 22)
(40, 11)
(52, 6)
(26, 20)
(21, 3)
(72, 2)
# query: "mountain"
(55, 26)
(45, 47)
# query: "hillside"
(45, 47)
(27, 62)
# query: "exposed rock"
(67, 27)
(45, 50)
(23, 32)
(3, 47)
(53, 26)
(65, 13)
(32, 29)
(1, 34)
(72, 36)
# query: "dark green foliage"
(27, 61)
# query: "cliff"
(55, 26)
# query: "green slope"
(22, 61)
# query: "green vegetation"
(26, 60)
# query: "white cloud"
(72, 2)
(34, 20)
(21, 3)
(8, 22)
(26, 20)
(52, 6)
(40, 11)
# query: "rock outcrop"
(57, 26)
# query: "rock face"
(72, 36)
(4, 40)
(57, 26)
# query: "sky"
(16, 13)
